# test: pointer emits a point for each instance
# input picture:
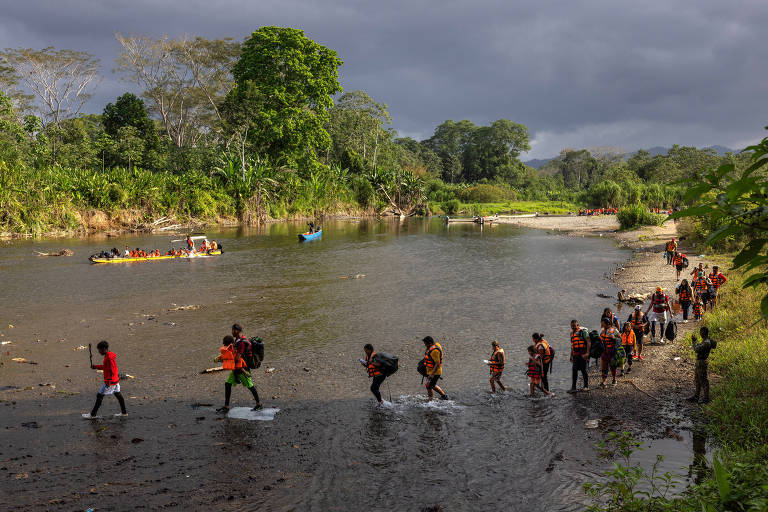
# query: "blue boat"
(304, 237)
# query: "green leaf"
(723, 232)
(725, 169)
(754, 280)
(749, 252)
(694, 211)
(721, 475)
(697, 191)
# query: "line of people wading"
(615, 346)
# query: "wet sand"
(171, 453)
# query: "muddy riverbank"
(327, 448)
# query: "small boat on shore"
(305, 237)
(194, 255)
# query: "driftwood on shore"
(63, 252)
(212, 370)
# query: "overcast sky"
(577, 73)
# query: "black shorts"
(679, 268)
(432, 381)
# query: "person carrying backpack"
(433, 363)
(239, 374)
(375, 371)
(580, 346)
(702, 362)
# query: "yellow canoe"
(155, 258)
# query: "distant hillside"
(538, 163)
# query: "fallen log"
(63, 252)
(212, 370)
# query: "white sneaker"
(88, 416)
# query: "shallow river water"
(315, 304)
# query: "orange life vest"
(578, 344)
(497, 361)
(638, 320)
(697, 308)
(628, 338)
(607, 336)
(373, 370)
(677, 260)
(685, 294)
(717, 279)
(429, 362)
(229, 360)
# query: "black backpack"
(387, 363)
(422, 368)
(257, 351)
(244, 346)
(596, 347)
(671, 331)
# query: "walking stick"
(390, 393)
(90, 354)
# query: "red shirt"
(110, 369)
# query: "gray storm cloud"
(590, 73)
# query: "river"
(315, 304)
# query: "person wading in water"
(496, 364)
(374, 371)
(433, 360)
(580, 345)
(545, 353)
(238, 374)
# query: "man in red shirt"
(111, 384)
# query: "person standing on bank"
(496, 363)
(580, 345)
(718, 279)
(685, 293)
(545, 353)
(374, 372)
(639, 325)
(611, 338)
(629, 342)
(702, 362)
(660, 305)
(433, 360)
(111, 384)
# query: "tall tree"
(450, 140)
(295, 78)
(183, 80)
(128, 110)
(357, 123)
(61, 80)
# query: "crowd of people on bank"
(615, 346)
(597, 211)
